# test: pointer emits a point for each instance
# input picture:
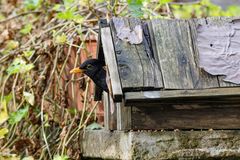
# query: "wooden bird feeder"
(157, 83)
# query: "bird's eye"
(89, 66)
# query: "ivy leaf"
(3, 112)
(29, 97)
(58, 157)
(3, 132)
(17, 116)
(19, 66)
(26, 29)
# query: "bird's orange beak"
(76, 70)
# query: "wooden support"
(169, 118)
(110, 113)
(123, 117)
(183, 96)
(111, 63)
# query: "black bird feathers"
(93, 68)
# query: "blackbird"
(94, 69)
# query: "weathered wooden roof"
(164, 66)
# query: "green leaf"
(32, 4)
(11, 44)
(162, 2)
(58, 157)
(26, 29)
(17, 116)
(78, 19)
(29, 97)
(66, 15)
(3, 132)
(135, 7)
(56, 7)
(3, 112)
(28, 53)
(61, 39)
(19, 66)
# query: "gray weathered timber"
(106, 111)
(220, 21)
(147, 69)
(204, 79)
(201, 118)
(111, 63)
(110, 113)
(123, 117)
(176, 56)
(151, 49)
(171, 95)
(129, 63)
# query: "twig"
(85, 100)
(19, 15)
(85, 122)
(13, 92)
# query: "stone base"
(156, 145)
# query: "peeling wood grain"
(129, 64)
(150, 46)
(176, 57)
(147, 70)
(204, 79)
(220, 21)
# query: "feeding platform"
(156, 77)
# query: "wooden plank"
(111, 63)
(147, 69)
(168, 118)
(129, 63)
(204, 79)
(173, 95)
(220, 21)
(123, 117)
(151, 47)
(112, 114)
(176, 56)
(106, 111)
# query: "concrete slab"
(161, 145)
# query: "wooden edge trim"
(170, 95)
(111, 62)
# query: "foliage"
(37, 38)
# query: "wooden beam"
(123, 117)
(173, 96)
(201, 118)
(111, 62)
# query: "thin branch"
(19, 15)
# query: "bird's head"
(90, 67)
